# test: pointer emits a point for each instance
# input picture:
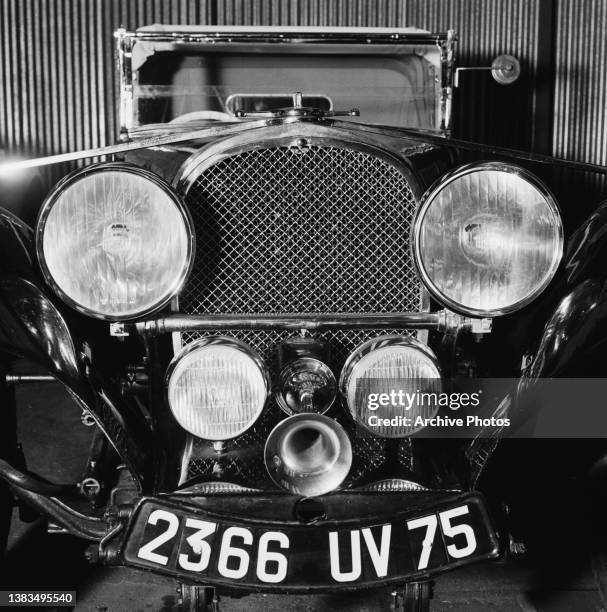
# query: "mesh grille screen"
(290, 230)
(301, 230)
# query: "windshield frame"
(283, 37)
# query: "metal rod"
(41, 496)
(15, 379)
(467, 69)
(317, 322)
(80, 525)
(25, 481)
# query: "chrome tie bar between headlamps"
(442, 320)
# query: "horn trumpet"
(308, 454)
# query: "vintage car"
(285, 233)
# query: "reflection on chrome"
(308, 454)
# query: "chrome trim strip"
(391, 485)
(124, 49)
(144, 143)
(211, 488)
(286, 34)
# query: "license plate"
(247, 553)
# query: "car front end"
(237, 299)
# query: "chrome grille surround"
(298, 219)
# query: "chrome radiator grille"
(301, 230)
(320, 229)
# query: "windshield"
(391, 84)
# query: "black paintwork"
(34, 324)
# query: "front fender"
(573, 341)
(572, 346)
(587, 249)
(31, 327)
(575, 334)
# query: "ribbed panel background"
(580, 92)
(57, 68)
(580, 98)
(485, 29)
(58, 87)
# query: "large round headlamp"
(487, 239)
(217, 388)
(114, 241)
(390, 381)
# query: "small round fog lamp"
(390, 381)
(217, 388)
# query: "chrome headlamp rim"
(225, 341)
(427, 200)
(380, 342)
(73, 178)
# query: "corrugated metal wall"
(58, 87)
(579, 129)
(580, 88)
(57, 68)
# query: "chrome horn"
(308, 454)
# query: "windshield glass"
(391, 84)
